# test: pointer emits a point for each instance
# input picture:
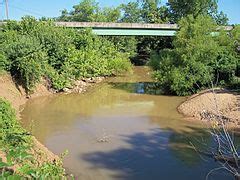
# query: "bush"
(125, 44)
(4, 62)
(32, 49)
(28, 60)
(94, 58)
(16, 142)
(198, 60)
(11, 133)
(119, 66)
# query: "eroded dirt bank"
(16, 95)
(209, 105)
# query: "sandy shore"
(209, 105)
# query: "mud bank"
(209, 105)
(17, 96)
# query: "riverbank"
(208, 105)
(17, 96)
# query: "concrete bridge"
(128, 29)
(125, 29)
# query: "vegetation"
(16, 143)
(32, 49)
(182, 8)
(143, 11)
(198, 59)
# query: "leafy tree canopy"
(182, 8)
(199, 58)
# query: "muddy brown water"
(122, 129)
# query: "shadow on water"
(151, 88)
(148, 138)
(158, 154)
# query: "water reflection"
(151, 88)
(148, 139)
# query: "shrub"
(32, 49)
(198, 60)
(4, 62)
(11, 133)
(119, 66)
(16, 142)
(27, 60)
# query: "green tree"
(32, 49)
(64, 16)
(85, 11)
(90, 11)
(110, 14)
(153, 12)
(131, 12)
(4, 62)
(182, 8)
(125, 44)
(194, 64)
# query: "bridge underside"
(134, 32)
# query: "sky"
(52, 8)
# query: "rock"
(98, 79)
(88, 80)
(67, 90)
(80, 83)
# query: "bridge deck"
(124, 29)
(128, 29)
(118, 25)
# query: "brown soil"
(209, 105)
(17, 96)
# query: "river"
(122, 129)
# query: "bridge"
(128, 29)
(124, 29)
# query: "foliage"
(16, 143)
(90, 11)
(131, 12)
(182, 8)
(34, 49)
(125, 44)
(86, 62)
(11, 132)
(148, 11)
(194, 64)
(27, 60)
(153, 12)
(143, 11)
(4, 63)
(85, 11)
(236, 37)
